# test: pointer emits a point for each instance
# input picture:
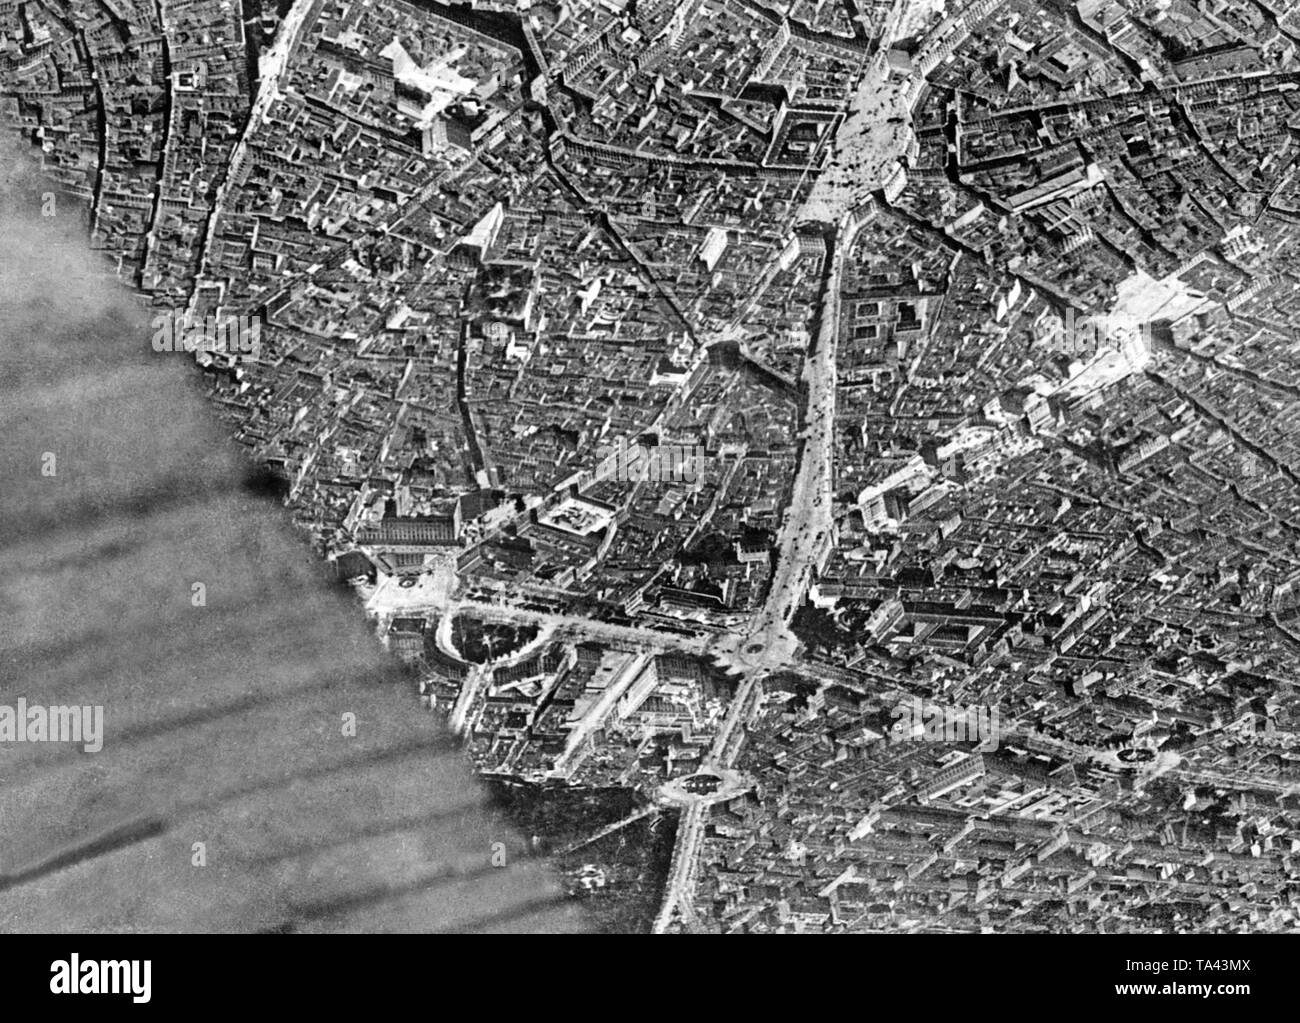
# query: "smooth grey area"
(223, 723)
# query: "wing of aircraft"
(259, 763)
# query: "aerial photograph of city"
(651, 467)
